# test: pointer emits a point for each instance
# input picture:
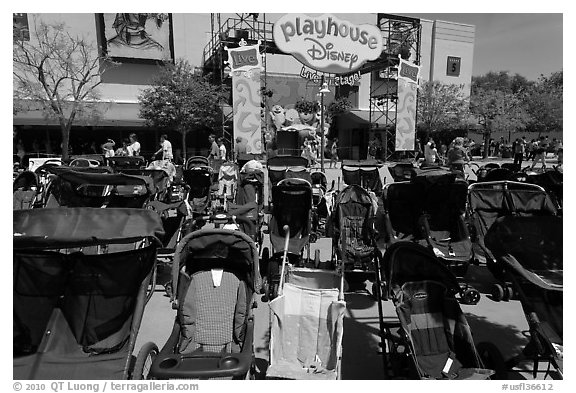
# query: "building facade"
(446, 54)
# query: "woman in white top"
(165, 148)
(430, 153)
(134, 147)
(108, 148)
(222, 149)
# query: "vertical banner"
(406, 107)
(245, 63)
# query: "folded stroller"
(529, 251)
(435, 341)
(307, 325)
(292, 206)
(215, 273)
(81, 279)
(488, 201)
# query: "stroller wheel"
(508, 293)
(144, 360)
(497, 292)
(492, 359)
(471, 296)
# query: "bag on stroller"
(214, 273)
(81, 281)
(434, 333)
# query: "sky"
(527, 44)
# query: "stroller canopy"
(134, 162)
(159, 178)
(531, 247)
(285, 167)
(362, 173)
(79, 227)
(408, 261)
(197, 161)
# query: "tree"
(497, 109)
(180, 100)
(440, 106)
(543, 101)
(59, 74)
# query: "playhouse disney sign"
(326, 43)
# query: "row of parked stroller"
(410, 242)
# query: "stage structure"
(402, 39)
(401, 36)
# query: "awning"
(363, 117)
(113, 114)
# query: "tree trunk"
(486, 142)
(65, 142)
(184, 155)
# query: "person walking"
(134, 147)
(540, 153)
(214, 149)
(222, 149)
(165, 149)
(334, 153)
(518, 149)
(457, 155)
(239, 148)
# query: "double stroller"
(363, 173)
(72, 188)
(214, 274)
(430, 210)
(528, 251)
(433, 339)
(488, 201)
(81, 279)
(286, 167)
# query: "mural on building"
(138, 36)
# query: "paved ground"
(502, 323)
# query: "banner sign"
(246, 64)
(408, 75)
(332, 80)
(326, 43)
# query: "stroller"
(552, 182)
(434, 340)
(489, 201)
(286, 167)
(215, 273)
(402, 171)
(81, 280)
(430, 210)
(121, 163)
(320, 204)
(25, 190)
(363, 173)
(72, 188)
(529, 252)
(292, 207)
(198, 177)
(353, 242)
(307, 323)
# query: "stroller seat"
(213, 317)
(438, 331)
(306, 334)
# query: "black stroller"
(488, 201)
(215, 273)
(434, 340)
(72, 188)
(529, 252)
(198, 176)
(402, 171)
(430, 210)
(286, 167)
(25, 189)
(81, 279)
(291, 206)
(363, 173)
(120, 163)
(320, 204)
